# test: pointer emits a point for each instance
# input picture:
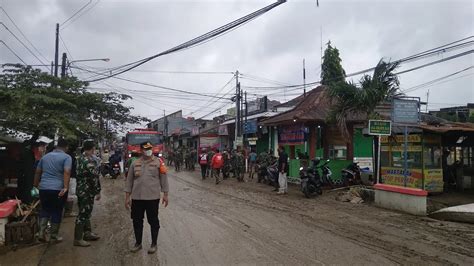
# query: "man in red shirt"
(217, 163)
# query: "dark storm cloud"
(272, 46)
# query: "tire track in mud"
(394, 252)
(231, 223)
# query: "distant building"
(456, 114)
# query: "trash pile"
(355, 195)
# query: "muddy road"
(235, 223)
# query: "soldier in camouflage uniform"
(263, 161)
(88, 188)
(238, 164)
(227, 165)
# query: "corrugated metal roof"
(264, 114)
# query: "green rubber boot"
(88, 235)
(55, 233)
(43, 224)
(78, 234)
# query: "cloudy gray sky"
(272, 46)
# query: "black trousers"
(203, 170)
(139, 207)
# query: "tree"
(37, 103)
(331, 69)
(349, 98)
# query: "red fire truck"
(134, 138)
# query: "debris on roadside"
(355, 195)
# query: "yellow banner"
(401, 138)
(400, 148)
(395, 176)
(434, 180)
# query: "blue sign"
(250, 127)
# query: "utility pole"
(236, 107)
(56, 51)
(241, 111)
(52, 68)
(427, 98)
(63, 65)
(246, 114)
(165, 127)
(304, 79)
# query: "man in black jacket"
(282, 168)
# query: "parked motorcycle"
(272, 175)
(351, 175)
(311, 181)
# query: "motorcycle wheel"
(306, 192)
(319, 191)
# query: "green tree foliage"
(331, 69)
(37, 103)
(350, 99)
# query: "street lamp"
(88, 60)
(65, 66)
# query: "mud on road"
(245, 223)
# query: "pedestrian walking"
(88, 188)
(217, 164)
(252, 163)
(146, 180)
(52, 179)
(210, 154)
(227, 165)
(282, 168)
(203, 164)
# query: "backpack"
(203, 158)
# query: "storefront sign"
(401, 138)
(291, 135)
(195, 131)
(250, 127)
(434, 180)
(395, 176)
(405, 111)
(223, 131)
(401, 148)
(209, 142)
(252, 141)
(380, 127)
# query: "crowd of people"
(244, 165)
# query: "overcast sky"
(272, 46)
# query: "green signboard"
(380, 127)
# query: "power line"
(65, 46)
(22, 34)
(430, 52)
(151, 85)
(77, 12)
(437, 81)
(13, 52)
(80, 15)
(223, 87)
(22, 43)
(437, 62)
(196, 41)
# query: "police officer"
(88, 187)
(146, 182)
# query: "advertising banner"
(291, 135)
(395, 176)
(223, 131)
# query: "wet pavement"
(245, 223)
